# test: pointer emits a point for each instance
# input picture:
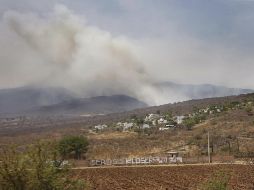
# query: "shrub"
(218, 182)
(35, 169)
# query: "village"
(160, 123)
(167, 121)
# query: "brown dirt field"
(165, 177)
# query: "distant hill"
(190, 92)
(94, 105)
(53, 100)
(18, 100)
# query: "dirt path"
(163, 165)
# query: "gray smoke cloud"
(61, 49)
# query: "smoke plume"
(61, 49)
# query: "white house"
(163, 128)
(206, 110)
(179, 119)
(145, 126)
(127, 126)
(162, 121)
(152, 117)
(100, 127)
(167, 127)
(154, 122)
(119, 124)
(170, 126)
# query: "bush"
(35, 169)
(218, 182)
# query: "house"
(170, 126)
(145, 126)
(179, 119)
(119, 124)
(100, 127)
(173, 157)
(154, 122)
(163, 128)
(167, 127)
(152, 117)
(206, 110)
(127, 126)
(162, 121)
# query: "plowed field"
(166, 177)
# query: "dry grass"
(113, 135)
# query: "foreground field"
(166, 177)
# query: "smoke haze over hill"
(64, 51)
(67, 52)
(62, 48)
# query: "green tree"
(158, 112)
(134, 117)
(169, 116)
(248, 109)
(189, 123)
(35, 168)
(13, 174)
(139, 123)
(73, 144)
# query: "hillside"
(94, 105)
(232, 125)
(230, 132)
(19, 100)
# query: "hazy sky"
(114, 44)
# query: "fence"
(136, 161)
(205, 159)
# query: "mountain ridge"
(200, 91)
(94, 105)
(57, 100)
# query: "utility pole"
(208, 148)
